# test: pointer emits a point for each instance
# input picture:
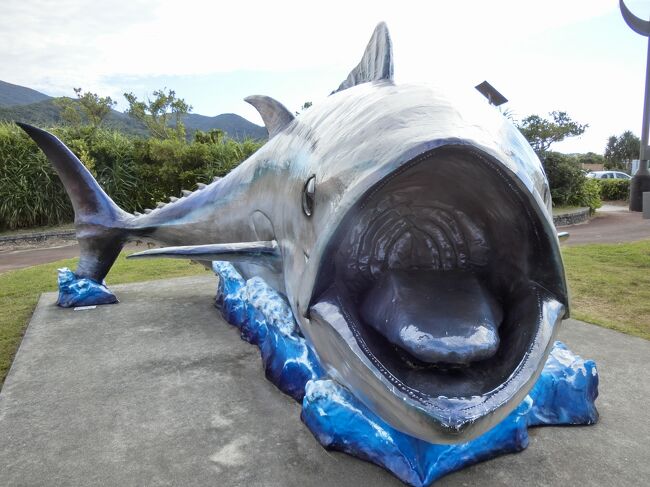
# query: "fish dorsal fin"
(376, 63)
(274, 114)
(265, 253)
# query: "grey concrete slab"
(160, 391)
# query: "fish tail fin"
(100, 224)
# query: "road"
(612, 224)
(18, 258)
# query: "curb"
(574, 217)
(66, 235)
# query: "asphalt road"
(17, 258)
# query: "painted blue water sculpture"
(563, 395)
(265, 319)
(81, 291)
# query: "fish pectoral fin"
(266, 253)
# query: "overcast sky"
(571, 55)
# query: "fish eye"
(308, 196)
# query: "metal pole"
(641, 180)
(645, 127)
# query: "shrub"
(136, 172)
(569, 185)
(614, 189)
(587, 194)
(30, 192)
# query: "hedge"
(614, 189)
(136, 172)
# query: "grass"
(20, 289)
(559, 210)
(610, 285)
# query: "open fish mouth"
(442, 276)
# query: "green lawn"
(20, 289)
(559, 210)
(610, 285)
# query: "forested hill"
(18, 103)
(11, 95)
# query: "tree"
(212, 136)
(541, 132)
(590, 158)
(622, 150)
(69, 111)
(163, 115)
(88, 106)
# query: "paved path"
(159, 391)
(17, 258)
(612, 224)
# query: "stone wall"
(571, 217)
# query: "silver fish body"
(410, 232)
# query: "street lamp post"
(641, 180)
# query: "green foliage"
(160, 113)
(136, 172)
(621, 150)
(541, 132)
(96, 108)
(590, 158)
(69, 111)
(213, 136)
(587, 195)
(88, 107)
(614, 189)
(30, 191)
(569, 185)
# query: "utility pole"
(641, 180)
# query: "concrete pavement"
(159, 391)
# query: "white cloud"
(54, 46)
(72, 38)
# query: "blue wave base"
(563, 395)
(81, 291)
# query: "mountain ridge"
(13, 95)
(19, 103)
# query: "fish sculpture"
(410, 232)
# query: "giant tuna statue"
(411, 235)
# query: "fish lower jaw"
(439, 402)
